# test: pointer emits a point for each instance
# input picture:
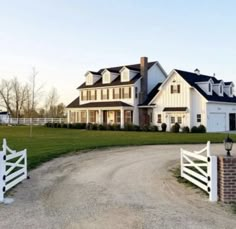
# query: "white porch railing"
(200, 170)
(34, 121)
(13, 168)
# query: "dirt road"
(119, 188)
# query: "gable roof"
(75, 103)
(193, 78)
(151, 95)
(115, 82)
(135, 67)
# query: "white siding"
(166, 99)
(219, 108)
(155, 76)
(197, 106)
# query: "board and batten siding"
(167, 99)
(197, 106)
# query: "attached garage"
(216, 122)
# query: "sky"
(63, 39)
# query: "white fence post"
(2, 170)
(181, 162)
(212, 178)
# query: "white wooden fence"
(13, 168)
(34, 121)
(200, 168)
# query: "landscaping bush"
(101, 127)
(94, 126)
(163, 127)
(175, 128)
(110, 127)
(153, 128)
(146, 128)
(136, 128)
(129, 127)
(201, 129)
(185, 129)
(116, 127)
(194, 129)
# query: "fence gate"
(200, 168)
(13, 168)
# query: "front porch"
(112, 116)
(174, 115)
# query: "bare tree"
(19, 93)
(6, 95)
(51, 103)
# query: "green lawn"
(48, 143)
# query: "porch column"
(122, 120)
(68, 116)
(87, 116)
(100, 116)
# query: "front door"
(232, 121)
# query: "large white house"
(142, 94)
(112, 95)
(191, 99)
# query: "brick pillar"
(227, 179)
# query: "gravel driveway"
(118, 188)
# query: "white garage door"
(216, 122)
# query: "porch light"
(228, 142)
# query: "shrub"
(201, 129)
(94, 126)
(163, 127)
(89, 126)
(116, 127)
(64, 125)
(129, 127)
(146, 128)
(194, 129)
(136, 128)
(185, 129)
(153, 128)
(110, 127)
(101, 127)
(175, 128)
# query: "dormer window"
(125, 76)
(209, 88)
(221, 89)
(91, 78)
(231, 91)
(106, 77)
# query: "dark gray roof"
(115, 82)
(3, 113)
(135, 67)
(192, 78)
(175, 109)
(75, 103)
(104, 104)
(151, 95)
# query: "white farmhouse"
(142, 94)
(112, 95)
(191, 99)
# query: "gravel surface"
(117, 188)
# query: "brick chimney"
(144, 79)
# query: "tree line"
(28, 100)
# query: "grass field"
(48, 143)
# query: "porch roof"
(104, 104)
(175, 109)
